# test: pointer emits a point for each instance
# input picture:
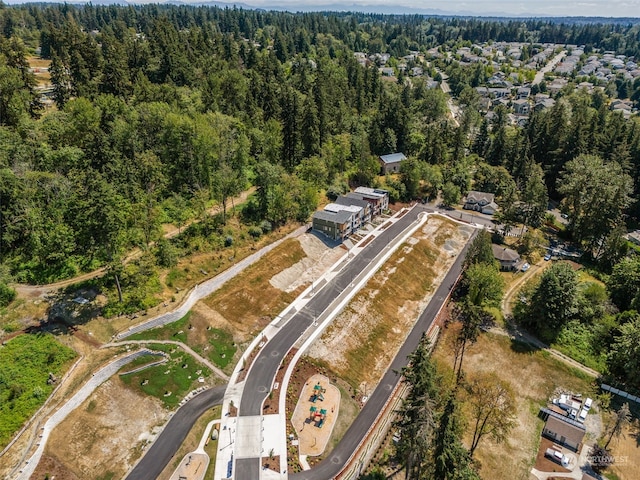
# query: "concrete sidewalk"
(267, 433)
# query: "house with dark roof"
(562, 430)
(363, 204)
(521, 106)
(350, 212)
(508, 259)
(335, 225)
(480, 202)
(357, 217)
(391, 163)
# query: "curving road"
(337, 460)
(174, 433)
(265, 366)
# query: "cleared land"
(626, 449)
(246, 304)
(104, 437)
(534, 375)
(364, 338)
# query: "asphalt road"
(333, 464)
(168, 442)
(264, 368)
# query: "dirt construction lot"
(104, 437)
(365, 337)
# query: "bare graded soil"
(364, 338)
(107, 433)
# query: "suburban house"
(377, 198)
(391, 163)
(480, 202)
(562, 430)
(508, 259)
(350, 212)
(335, 225)
(521, 107)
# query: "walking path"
(30, 290)
(186, 348)
(206, 288)
(74, 402)
(516, 333)
(243, 440)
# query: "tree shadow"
(68, 309)
(521, 340)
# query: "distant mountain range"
(346, 7)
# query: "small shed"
(391, 163)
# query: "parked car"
(525, 267)
(547, 257)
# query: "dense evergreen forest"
(161, 110)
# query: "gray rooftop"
(342, 200)
(339, 217)
(393, 157)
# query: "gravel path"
(206, 288)
(74, 402)
(187, 349)
(516, 333)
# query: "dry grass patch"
(534, 375)
(627, 452)
(99, 437)
(37, 62)
(365, 337)
(248, 302)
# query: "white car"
(525, 267)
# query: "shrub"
(7, 294)
(266, 226)
(255, 232)
(228, 241)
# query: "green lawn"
(221, 346)
(178, 376)
(25, 364)
(168, 332)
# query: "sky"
(542, 8)
(591, 8)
